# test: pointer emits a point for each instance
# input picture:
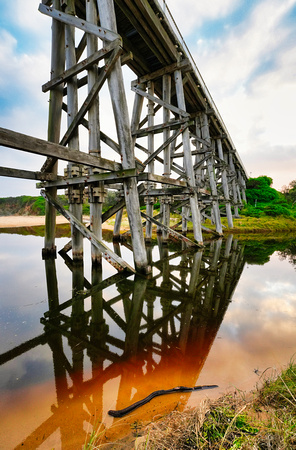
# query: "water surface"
(70, 350)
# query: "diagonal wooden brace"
(108, 254)
(172, 232)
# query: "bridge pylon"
(171, 152)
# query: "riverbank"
(36, 221)
(242, 225)
(262, 419)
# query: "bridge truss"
(174, 150)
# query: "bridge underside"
(174, 150)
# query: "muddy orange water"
(78, 341)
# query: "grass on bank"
(264, 419)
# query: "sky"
(244, 49)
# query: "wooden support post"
(75, 193)
(205, 132)
(225, 186)
(185, 214)
(243, 185)
(117, 225)
(150, 201)
(233, 184)
(198, 156)
(166, 96)
(54, 125)
(120, 110)
(196, 218)
(96, 190)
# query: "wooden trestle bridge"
(177, 151)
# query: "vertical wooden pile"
(64, 84)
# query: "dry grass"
(265, 420)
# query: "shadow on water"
(118, 339)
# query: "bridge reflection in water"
(121, 338)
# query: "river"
(76, 342)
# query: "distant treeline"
(262, 200)
(35, 206)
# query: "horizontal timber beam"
(183, 65)
(26, 174)
(19, 141)
(83, 25)
(161, 179)
(173, 124)
(154, 99)
(110, 177)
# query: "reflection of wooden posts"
(78, 325)
(117, 92)
(54, 124)
(223, 270)
(212, 275)
(166, 285)
(187, 313)
(55, 341)
(134, 318)
(98, 327)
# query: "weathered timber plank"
(83, 25)
(169, 230)
(108, 254)
(112, 177)
(179, 191)
(131, 11)
(27, 174)
(104, 73)
(172, 108)
(83, 65)
(172, 124)
(161, 179)
(19, 141)
(183, 65)
(166, 143)
(156, 30)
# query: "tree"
(290, 192)
(259, 190)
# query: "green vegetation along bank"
(262, 419)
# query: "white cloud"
(190, 14)
(27, 17)
(251, 76)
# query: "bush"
(277, 210)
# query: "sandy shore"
(33, 221)
(26, 221)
